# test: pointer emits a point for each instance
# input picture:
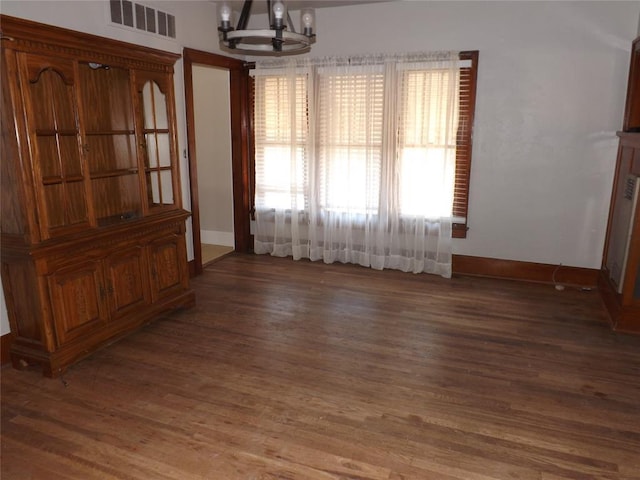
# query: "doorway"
(217, 127)
(212, 124)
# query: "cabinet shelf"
(110, 132)
(114, 173)
(55, 180)
(155, 130)
(40, 132)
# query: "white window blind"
(349, 146)
(428, 106)
(281, 133)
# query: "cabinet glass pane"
(636, 290)
(51, 159)
(71, 163)
(64, 104)
(155, 107)
(167, 187)
(44, 118)
(158, 150)
(164, 154)
(61, 213)
(152, 181)
(48, 155)
(160, 187)
(76, 209)
(54, 199)
(107, 153)
(53, 103)
(117, 198)
(152, 150)
(106, 99)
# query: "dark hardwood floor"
(297, 370)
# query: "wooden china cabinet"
(620, 274)
(93, 231)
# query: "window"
(411, 119)
(350, 134)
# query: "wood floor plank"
(305, 371)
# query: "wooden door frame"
(240, 129)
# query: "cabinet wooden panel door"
(78, 300)
(127, 281)
(168, 268)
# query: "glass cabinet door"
(109, 142)
(158, 145)
(60, 175)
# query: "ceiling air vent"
(140, 17)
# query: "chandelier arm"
(244, 15)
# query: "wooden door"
(78, 299)
(127, 281)
(168, 266)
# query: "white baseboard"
(211, 237)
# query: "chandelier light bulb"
(278, 10)
(225, 12)
(306, 18)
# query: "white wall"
(551, 87)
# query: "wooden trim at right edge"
(525, 271)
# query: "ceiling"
(260, 6)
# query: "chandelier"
(279, 38)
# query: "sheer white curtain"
(355, 159)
